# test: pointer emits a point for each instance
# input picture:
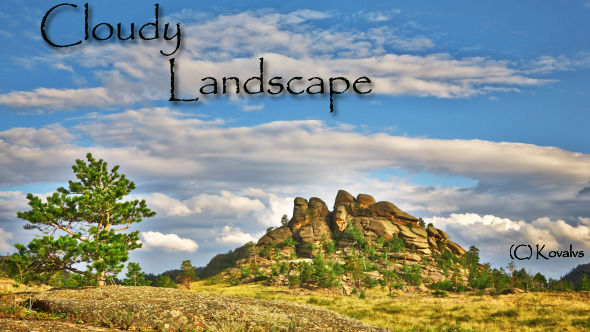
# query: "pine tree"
(165, 281)
(284, 220)
(135, 277)
(187, 274)
(583, 284)
(90, 214)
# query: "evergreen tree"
(135, 276)
(284, 220)
(584, 283)
(539, 282)
(90, 214)
(165, 281)
(187, 273)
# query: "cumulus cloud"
(233, 235)
(169, 243)
(497, 234)
(224, 204)
(179, 151)
(36, 138)
(4, 237)
(230, 45)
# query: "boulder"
(311, 233)
(442, 234)
(384, 227)
(300, 201)
(365, 200)
(432, 242)
(433, 232)
(419, 243)
(319, 208)
(389, 210)
(455, 248)
(427, 252)
(299, 214)
(419, 231)
(343, 197)
(339, 219)
(405, 232)
(275, 236)
(412, 257)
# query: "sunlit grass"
(424, 312)
(9, 286)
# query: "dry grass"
(424, 312)
(9, 286)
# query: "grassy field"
(424, 312)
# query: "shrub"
(439, 293)
(412, 274)
(362, 296)
(294, 281)
(445, 285)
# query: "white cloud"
(170, 206)
(169, 243)
(230, 45)
(233, 235)
(33, 138)
(224, 204)
(182, 151)
(380, 16)
(66, 99)
(277, 206)
(549, 64)
(4, 237)
(498, 234)
(497, 237)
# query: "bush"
(294, 281)
(245, 271)
(445, 285)
(412, 274)
(396, 244)
(362, 296)
(306, 272)
(165, 281)
(439, 293)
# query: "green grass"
(425, 312)
(402, 312)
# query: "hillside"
(576, 273)
(358, 244)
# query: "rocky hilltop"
(312, 221)
(359, 243)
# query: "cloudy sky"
(478, 119)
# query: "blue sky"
(478, 120)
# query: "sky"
(477, 119)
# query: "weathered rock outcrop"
(277, 235)
(391, 239)
(313, 222)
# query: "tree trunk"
(102, 279)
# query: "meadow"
(539, 311)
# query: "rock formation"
(312, 222)
(376, 239)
